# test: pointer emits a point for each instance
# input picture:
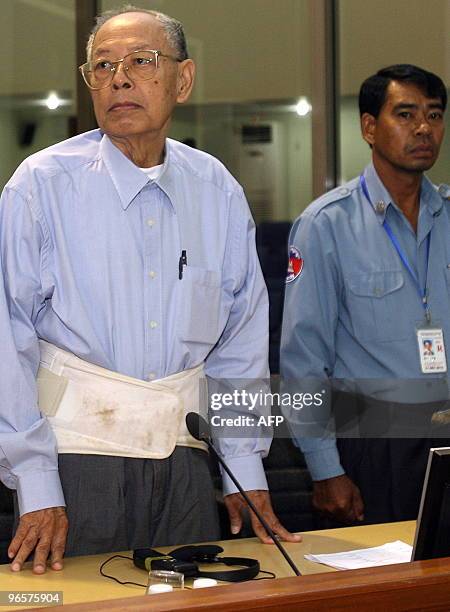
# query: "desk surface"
(80, 580)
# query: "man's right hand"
(338, 498)
(44, 532)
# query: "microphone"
(199, 429)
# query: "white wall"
(383, 32)
(37, 39)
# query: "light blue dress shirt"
(352, 313)
(90, 250)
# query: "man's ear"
(186, 74)
(368, 128)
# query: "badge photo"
(295, 266)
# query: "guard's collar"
(379, 194)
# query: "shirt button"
(344, 191)
(152, 274)
(380, 206)
(152, 376)
(153, 324)
(150, 222)
(448, 266)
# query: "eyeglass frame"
(115, 64)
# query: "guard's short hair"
(372, 94)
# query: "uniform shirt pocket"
(199, 305)
(374, 305)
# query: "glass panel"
(252, 69)
(404, 31)
(37, 87)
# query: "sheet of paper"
(387, 554)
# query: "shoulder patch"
(295, 265)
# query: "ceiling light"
(303, 107)
(53, 101)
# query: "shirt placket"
(153, 322)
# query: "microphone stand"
(252, 506)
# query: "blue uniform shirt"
(353, 310)
(89, 251)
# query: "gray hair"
(172, 28)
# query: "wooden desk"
(80, 580)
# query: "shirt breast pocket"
(199, 306)
(374, 303)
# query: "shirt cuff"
(323, 464)
(39, 490)
(248, 471)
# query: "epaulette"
(335, 195)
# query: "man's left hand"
(236, 504)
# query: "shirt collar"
(165, 181)
(128, 179)
(380, 198)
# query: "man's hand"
(338, 498)
(44, 532)
(236, 504)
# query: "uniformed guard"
(368, 309)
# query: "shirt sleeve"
(28, 453)
(308, 339)
(240, 359)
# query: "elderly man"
(373, 284)
(129, 272)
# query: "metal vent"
(256, 134)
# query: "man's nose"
(120, 77)
(423, 126)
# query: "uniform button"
(153, 324)
(150, 222)
(152, 376)
(152, 274)
(377, 291)
(380, 206)
(448, 266)
(344, 191)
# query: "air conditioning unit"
(259, 158)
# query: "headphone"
(187, 559)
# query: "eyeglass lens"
(140, 65)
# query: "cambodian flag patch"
(295, 266)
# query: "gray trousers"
(119, 503)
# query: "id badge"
(431, 349)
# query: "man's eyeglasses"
(139, 65)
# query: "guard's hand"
(236, 504)
(44, 532)
(338, 498)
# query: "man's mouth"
(423, 149)
(124, 106)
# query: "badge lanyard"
(430, 340)
(423, 292)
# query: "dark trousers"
(119, 503)
(389, 473)
(384, 449)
